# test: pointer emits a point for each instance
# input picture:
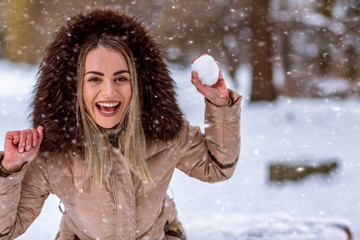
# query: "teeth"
(108, 104)
(107, 112)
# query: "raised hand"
(217, 93)
(21, 147)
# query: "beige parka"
(121, 209)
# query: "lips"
(108, 109)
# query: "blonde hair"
(129, 132)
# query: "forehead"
(101, 57)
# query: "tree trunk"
(262, 72)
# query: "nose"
(108, 88)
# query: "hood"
(54, 102)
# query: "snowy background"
(247, 206)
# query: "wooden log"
(295, 171)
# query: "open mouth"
(108, 109)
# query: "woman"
(109, 135)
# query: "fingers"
(14, 137)
(40, 133)
(27, 139)
(195, 80)
(202, 88)
(34, 140)
(221, 76)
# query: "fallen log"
(298, 170)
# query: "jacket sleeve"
(22, 196)
(212, 157)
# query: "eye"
(121, 79)
(94, 79)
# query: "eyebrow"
(120, 72)
(102, 74)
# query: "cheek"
(128, 97)
(87, 98)
(126, 93)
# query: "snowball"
(207, 69)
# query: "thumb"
(40, 137)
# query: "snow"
(333, 86)
(264, 226)
(207, 69)
(247, 206)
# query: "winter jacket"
(121, 208)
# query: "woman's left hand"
(216, 94)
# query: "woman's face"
(107, 87)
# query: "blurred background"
(292, 48)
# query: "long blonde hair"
(129, 132)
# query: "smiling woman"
(107, 76)
(106, 86)
(108, 134)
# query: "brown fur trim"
(54, 103)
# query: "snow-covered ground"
(247, 206)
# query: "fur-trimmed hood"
(54, 103)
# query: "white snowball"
(207, 69)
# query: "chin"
(108, 122)
(108, 126)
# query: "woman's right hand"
(21, 147)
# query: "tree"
(189, 28)
(261, 53)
